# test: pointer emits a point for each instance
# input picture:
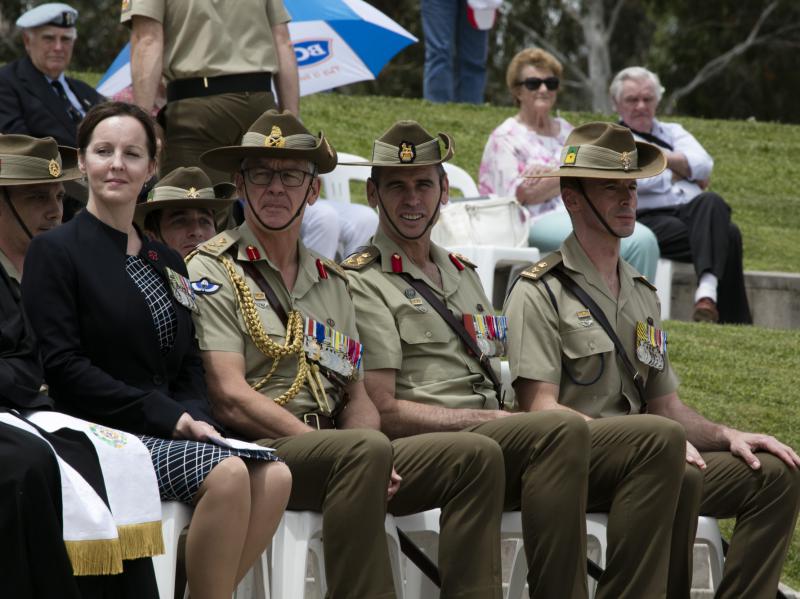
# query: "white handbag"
(491, 221)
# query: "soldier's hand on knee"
(745, 444)
(394, 484)
(693, 456)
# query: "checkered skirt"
(181, 466)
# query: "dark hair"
(375, 173)
(152, 222)
(106, 110)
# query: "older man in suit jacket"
(35, 97)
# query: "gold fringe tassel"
(141, 540)
(101, 556)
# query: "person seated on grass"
(183, 209)
(571, 310)
(692, 224)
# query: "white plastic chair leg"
(175, 516)
(709, 535)
(290, 548)
(663, 284)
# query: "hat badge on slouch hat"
(275, 139)
(26, 160)
(607, 151)
(406, 143)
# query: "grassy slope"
(742, 376)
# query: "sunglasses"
(534, 83)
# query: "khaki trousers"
(196, 125)
(635, 473)
(546, 457)
(764, 503)
(345, 474)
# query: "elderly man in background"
(35, 97)
(691, 224)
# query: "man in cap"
(219, 60)
(277, 331)
(36, 563)
(587, 339)
(36, 98)
(183, 209)
(692, 224)
(434, 348)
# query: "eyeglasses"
(534, 83)
(290, 177)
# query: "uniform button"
(158, 379)
(428, 334)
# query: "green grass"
(744, 377)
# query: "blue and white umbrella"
(336, 42)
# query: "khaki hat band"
(13, 166)
(299, 141)
(598, 157)
(167, 192)
(425, 152)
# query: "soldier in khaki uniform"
(423, 378)
(183, 209)
(218, 59)
(281, 383)
(562, 358)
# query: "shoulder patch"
(536, 270)
(643, 279)
(465, 260)
(362, 258)
(219, 243)
(335, 268)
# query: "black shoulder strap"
(458, 328)
(600, 317)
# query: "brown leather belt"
(197, 87)
(318, 421)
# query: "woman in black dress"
(113, 313)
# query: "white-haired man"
(691, 223)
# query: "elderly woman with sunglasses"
(529, 143)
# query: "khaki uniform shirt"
(432, 364)
(566, 347)
(221, 326)
(9, 268)
(206, 38)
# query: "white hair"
(637, 74)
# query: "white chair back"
(336, 184)
(461, 180)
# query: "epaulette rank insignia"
(463, 259)
(362, 258)
(326, 265)
(643, 279)
(218, 244)
(535, 271)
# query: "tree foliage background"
(723, 58)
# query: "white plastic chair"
(175, 516)
(336, 184)
(461, 180)
(299, 533)
(708, 534)
(488, 258)
(663, 285)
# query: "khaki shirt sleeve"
(376, 325)
(534, 340)
(277, 13)
(217, 320)
(153, 9)
(660, 383)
